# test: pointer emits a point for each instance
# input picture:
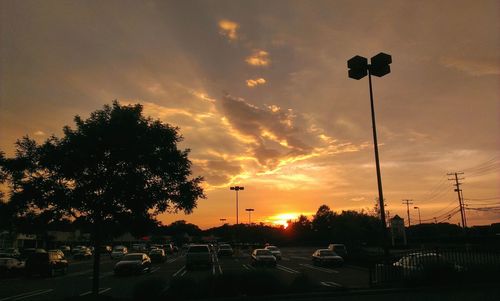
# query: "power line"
(442, 209)
(485, 199)
(443, 214)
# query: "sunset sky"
(260, 92)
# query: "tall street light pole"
(419, 218)
(237, 188)
(249, 210)
(359, 68)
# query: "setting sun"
(283, 219)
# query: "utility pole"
(408, 203)
(459, 193)
(419, 218)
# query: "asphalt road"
(78, 280)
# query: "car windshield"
(132, 257)
(119, 248)
(326, 253)
(263, 252)
(272, 248)
(198, 249)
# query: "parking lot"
(78, 280)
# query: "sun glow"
(283, 219)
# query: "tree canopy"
(114, 165)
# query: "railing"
(437, 266)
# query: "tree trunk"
(97, 256)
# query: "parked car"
(326, 257)
(140, 248)
(59, 252)
(157, 255)
(106, 249)
(198, 255)
(168, 249)
(66, 249)
(275, 251)
(10, 252)
(133, 263)
(45, 264)
(339, 249)
(118, 252)
(225, 250)
(25, 253)
(77, 249)
(421, 263)
(263, 257)
(10, 265)
(83, 253)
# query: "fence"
(436, 267)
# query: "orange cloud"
(259, 58)
(255, 82)
(229, 29)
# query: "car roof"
(135, 254)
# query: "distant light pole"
(249, 210)
(222, 220)
(359, 68)
(419, 218)
(237, 188)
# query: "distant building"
(398, 231)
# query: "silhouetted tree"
(300, 229)
(115, 165)
(322, 221)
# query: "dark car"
(198, 255)
(25, 253)
(225, 250)
(168, 249)
(157, 255)
(82, 253)
(327, 257)
(339, 249)
(45, 264)
(133, 263)
(106, 249)
(420, 264)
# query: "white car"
(11, 265)
(263, 257)
(275, 251)
(326, 257)
(118, 252)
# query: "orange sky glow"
(260, 92)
